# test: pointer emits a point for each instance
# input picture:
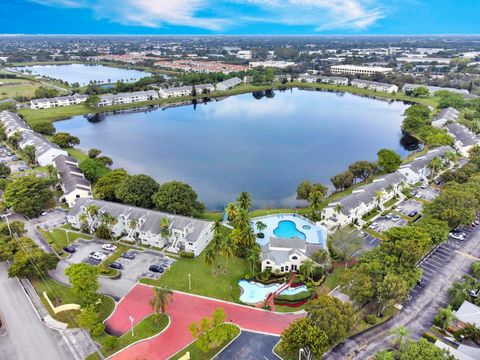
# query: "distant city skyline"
(231, 17)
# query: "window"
(294, 257)
(281, 269)
(286, 268)
(268, 262)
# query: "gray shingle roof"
(150, 218)
(422, 161)
(462, 134)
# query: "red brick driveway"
(184, 309)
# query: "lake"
(265, 145)
(83, 74)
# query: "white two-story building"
(127, 98)
(374, 86)
(59, 101)
(418, 170)
(145, 226)
(72, 181)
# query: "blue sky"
(240, 16)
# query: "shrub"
(110, 342)
(430, 337)
(294, 298)
(371, 319)
(187, 254)
(260, 235)
(98, 329)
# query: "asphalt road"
(27, 337)
(250, 346)
(441, 269)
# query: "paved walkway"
(183, 310)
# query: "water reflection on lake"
(262, 143)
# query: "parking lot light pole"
(189, 282)
(131, 324)
(68, 239)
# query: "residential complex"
(358, 70)
(127, 98)
(408, 88)
(58, 101)
(72, 181)
(144, 226)
(228, 84)
(375, 86)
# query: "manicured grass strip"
(222, 286)
(333, 279)
(143, 330)
(61, 294)
(57, 238)
(197, 354)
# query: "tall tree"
(137, 190)
(84, 281)
(159, 301)
(389, 160)
(244, 201)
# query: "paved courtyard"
(385, 224)
(410, 205)
(184, 309)
(428, 194)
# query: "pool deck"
(314, 235)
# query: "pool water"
(287, 229)
(254, 292)
(294, 290)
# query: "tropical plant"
(253, 257)
(244, 201)
(400, 333)
(231, 211)
(434, 166)
(164, 227)
(260, 226)
(445, 317)
(306, 269)
(159, 301)
(210, 256)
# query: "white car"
(458, 236)
(418, 196)
(389, 216)
(97, 256)
(109, 247)
(424, 186)
(373, 226)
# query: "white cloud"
(222, 14)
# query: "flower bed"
(294, 303)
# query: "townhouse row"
(351, 208)
(136, 96)
(72, 181)
(336, 80)
(152, 228)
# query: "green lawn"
(333, 280)
(60, 294)
(17, 87)
(220, 286)
(57, 238)
(143, 330)
(197, 354)
(77, 154)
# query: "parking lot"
(428, 193)
(408, 206)
(432, 264)
(135, 269)
(54, 218)
(385, 224)
(83, 248)
(18, 166)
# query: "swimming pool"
(254, 292)
(287, 229)
(294, 290)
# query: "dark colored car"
(129, 255)
(69, 249)
(156, 268)
(412, 213)
(115, 265)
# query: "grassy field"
(332, 280)
(60, 294)
(143, 330)
(204, 282)
(58, 239)
(197, 354)
(17, 87)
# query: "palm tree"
(315, 199)
(378, 197)
(159, 301)
(92, 210)
(260, 226)
(434, 166)
(217, 228)
(338, 208)
(231, 211)
(450, 156)
(209, 256)
(460, 291)
(253, 255)
(306, 269)
(400, 333)
(447, 316)
(132, 224)
(108, 220)
(244, 200)
(227, 249)
(164, 227)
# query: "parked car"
(373, 226)
(129, 255)
(413, 192)
(115, 265)
(156, 268)
(457, 235)
(395, 218)
(43, 213)
(419, 196)
(69, 249)
(389, 216)
(424, 185)
(412, 213)
(399, 208)
(109, 247)
(97, 256)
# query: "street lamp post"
(189, 282)
(68, 239)
(131, 324)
